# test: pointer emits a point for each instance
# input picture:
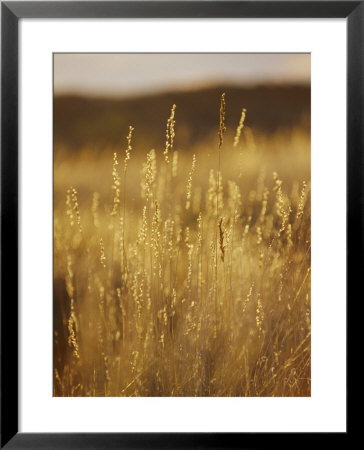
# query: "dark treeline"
(81, 122)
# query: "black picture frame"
(11, 13)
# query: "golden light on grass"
(184, 280)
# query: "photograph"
(181, 225)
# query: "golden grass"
(172, 278)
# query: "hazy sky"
(133, 74)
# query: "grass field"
(184, 271)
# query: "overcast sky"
(134, 74)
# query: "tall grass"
(185, 273)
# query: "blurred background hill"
(99, 122)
